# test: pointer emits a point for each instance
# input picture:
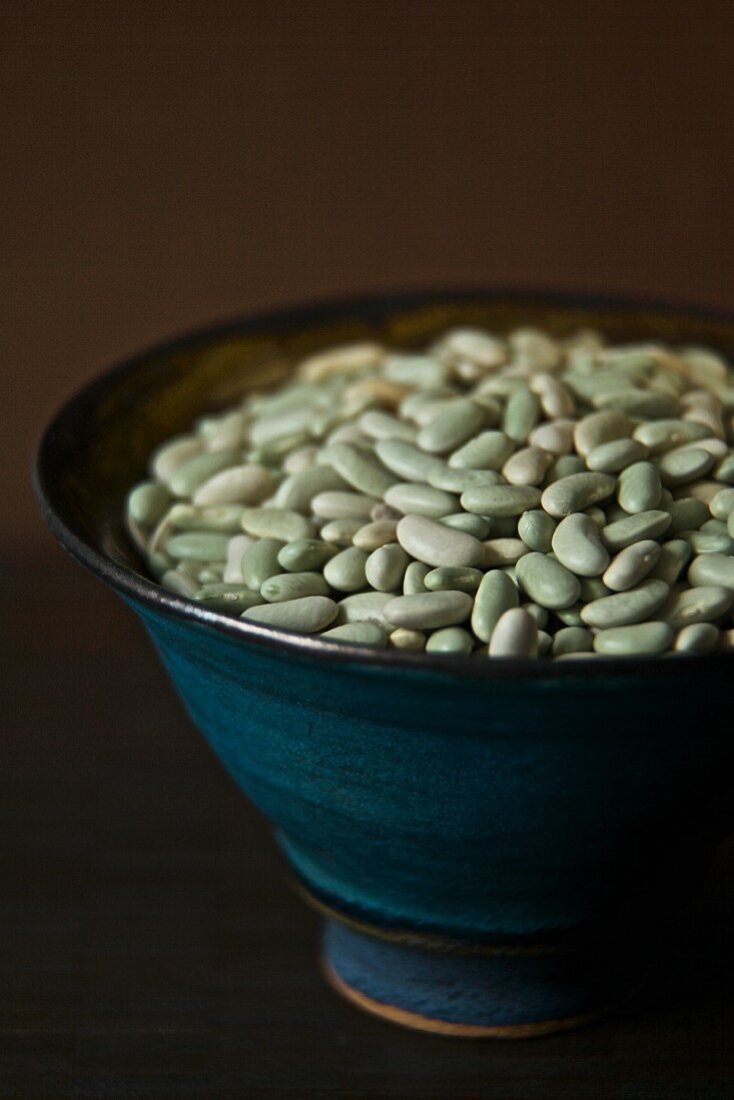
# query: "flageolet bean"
(522, 413)
(180, 584)
(226, 519)
(507, 551)
(231, 599)
(275, 523)
(357, 634)
(721, 506)
(644, 525)
(610, 458)
(572, 639)
(570, 616)
(681, 467)
(478, 526)
(487, 451)
(235, 485)
(434, 543)
(496, 594)
(577, 545)
(338, 505)
(662, 435)
(724, 471)
(385, 567)
(305, 555)
(187, 477)
(534, 349)
(639, 488)
(419, 371)
(429, 610)
(527, 466)
(289, 586)
(575, 493)
(382, 511)
(626, 608)
(421, 406)
(705, 491)
(456, 480)
(346, 570)
(199, 545)
(540, 614)
(635, 640)
(564, 466)
(450, 578)
(697, 638)
(536, 529)
(707, 542)
(235, 551)
(712, 569)
(672, 560)
(300, 459)
(297, 492)
(147, 502)
(598, 515)
(703, 604)
(173, 454)
(717, 448)
(406, 460)
(500, 501)
(640, 404)
(686, 514)
(546, 581)
(555, 437)
(714, 527)
(515, 635)
(381, 425)
(260, 561)
(452, 425)
(450, 639)
(307, 615)
(364, 607)
(341, 532)
(414, 580)
(631, 565)
(413, 498)
(358, 469)
(475, 345)
(403, 638)
(601, 427)
(342, 360)
(593, 588)
(555, 399)
(375, 534)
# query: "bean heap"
(494, 496)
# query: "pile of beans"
(500, 496)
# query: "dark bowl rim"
(132, 586)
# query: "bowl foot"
(481, 992)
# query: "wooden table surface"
(151, 947)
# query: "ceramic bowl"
(495, 845)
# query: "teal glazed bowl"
(495, 846)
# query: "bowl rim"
(133, 586)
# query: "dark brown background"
(166, 164)
(169, 163)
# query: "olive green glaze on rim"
(81, 484)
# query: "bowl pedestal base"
(474, 992)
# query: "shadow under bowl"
(496, 846)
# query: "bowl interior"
(99, 444)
